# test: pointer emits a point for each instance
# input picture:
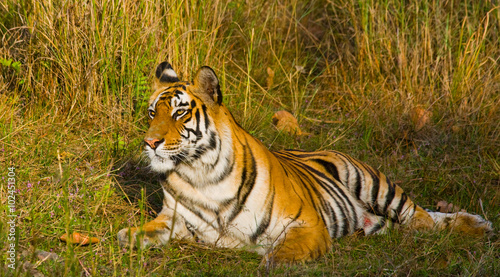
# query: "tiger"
(224, 187)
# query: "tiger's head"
(183, 120)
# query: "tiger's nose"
(153, 143)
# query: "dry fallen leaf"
(286, 122)
(77, 238)
(445, 207)
(420, 117)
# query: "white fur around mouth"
(170, 151)
(166, 154)
(162, 152)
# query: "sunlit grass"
(75, 78)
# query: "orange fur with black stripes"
(224, 187)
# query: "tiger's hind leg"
(374, 224)
(384, 199)
(419, 219)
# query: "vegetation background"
(411, 87)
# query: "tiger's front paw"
(128, 237)
(138, 238)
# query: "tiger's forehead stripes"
(172, 96)
(178, 85)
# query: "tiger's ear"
(206, 83)
(166, 74)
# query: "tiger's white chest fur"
(214, 212)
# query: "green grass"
(75, 79)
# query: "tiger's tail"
(462, 222)
(421, 219)
(418, 218)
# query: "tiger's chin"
(161, 165)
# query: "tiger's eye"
(179, 112)
(151, 114)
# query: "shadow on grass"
(134, 175)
